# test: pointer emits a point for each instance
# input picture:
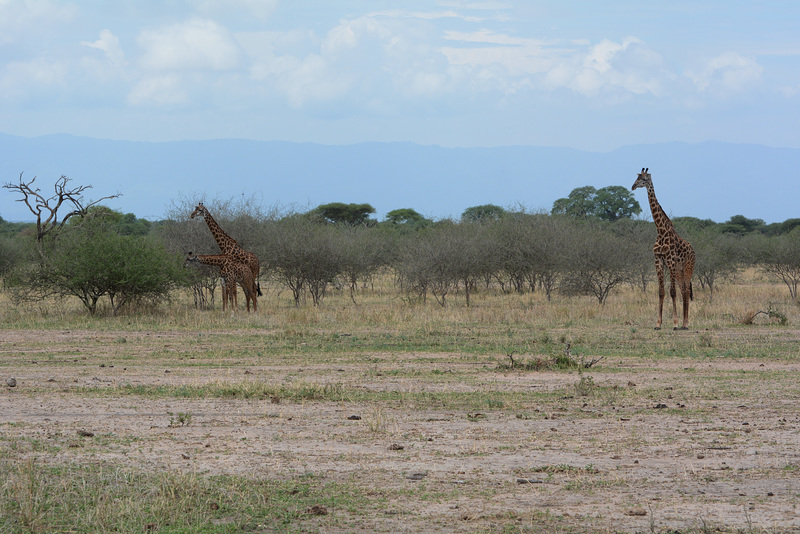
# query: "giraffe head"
(191, 257)
(199, 210)
(643, 180)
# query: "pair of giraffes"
(236, 265)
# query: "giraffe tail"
(258, 289)
(691, 293)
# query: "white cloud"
(22, 80)
(520, 56)
(628, 66)
(109, 44)
(26, 18)
(366, 61)
(727, 73)
(197, 44)
(159, 90)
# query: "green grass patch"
(100, 498)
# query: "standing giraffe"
(233, 272)
(671, 251)
(228, 245)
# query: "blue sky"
(581, 74)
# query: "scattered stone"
(530, 481)
(396, 447)
(214, 506)
(701, 456)
(416, 476)
(317, 509)
(275, 399)
(659, 406)
(354, 418)
(11, 382)
(185, 456)
(85, 434)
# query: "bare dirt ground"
(684, 446)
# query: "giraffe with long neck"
(229, 245)
(671, 251)
(233, 272)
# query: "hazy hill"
(706, 180)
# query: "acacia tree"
(610, 203)
(361, 253)
(341, 213)
(46, 208)
(782, 260)
(407, 218)
(91, 261)
(598, 262)
(303, 255)
(718, 257)
(483, 213)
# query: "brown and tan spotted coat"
(233, 272)
(671, 252)
(228, 245)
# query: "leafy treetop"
(610, 203)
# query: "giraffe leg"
(673, 293)
(686, 296)
(247, 295)
(687, 291)
(252, 295)
(661, 294)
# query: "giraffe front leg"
(661, 293)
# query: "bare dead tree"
(46, 208)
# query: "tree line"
(100, 255)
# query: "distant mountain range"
(709, 180)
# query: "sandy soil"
(660, 449)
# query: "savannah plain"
(381, 415)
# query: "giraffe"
(228, 245)
(233, 272)
(671, 251)
(229, 294)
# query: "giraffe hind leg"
(661, 293)
(673, 293)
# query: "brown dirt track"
(677, 446)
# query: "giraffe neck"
(226, 243)
(662, 222)
(212, 259)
